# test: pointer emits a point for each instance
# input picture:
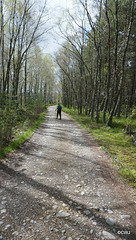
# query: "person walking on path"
(59, 110)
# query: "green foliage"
(113, 140)
(129, 174)
(20, 139)
(133, 116)
(16, 119)
(8, 119)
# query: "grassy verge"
(20, 138)
(114, 141)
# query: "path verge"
(114, 141)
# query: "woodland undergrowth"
(17, 123)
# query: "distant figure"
(59, 110)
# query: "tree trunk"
(25, 85)
(109, 65)
(2, 48)
(123, 63)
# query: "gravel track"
(59, 184)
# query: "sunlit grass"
(114, 141)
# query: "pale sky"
(55, 8)
(55, 11)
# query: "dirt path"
(60, 185)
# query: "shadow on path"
(59, 195)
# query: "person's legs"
(60, 115)
(57, 114)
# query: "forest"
(97, 60)
(68, 174)
(96, 73)
(26, 74)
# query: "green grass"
(114, 141)
(21, 138)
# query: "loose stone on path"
(108, 235)
(62, 215)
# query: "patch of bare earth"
(60, 185)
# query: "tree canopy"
(98, 58)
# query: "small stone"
(55, 207)
(100, 179)
(110, 212)
(92, 218)
(7, 226)
(91, 231)
(62, 214)
(1, 222)
(15, 233)
(79, 185)
(98, 235)
(67, 226)
(69, 238)
(110, 221)
(0, 237)
(108, 235)
(63, 238)
(70, 202)
(98, 194)
(3, 211)
(125, 216)
(82, 193)
(79, 208)
(64, 204)
(66, 177)
(87, 212)
(63, 231)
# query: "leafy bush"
(14, 117)
(133, 116)
(8, 120)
